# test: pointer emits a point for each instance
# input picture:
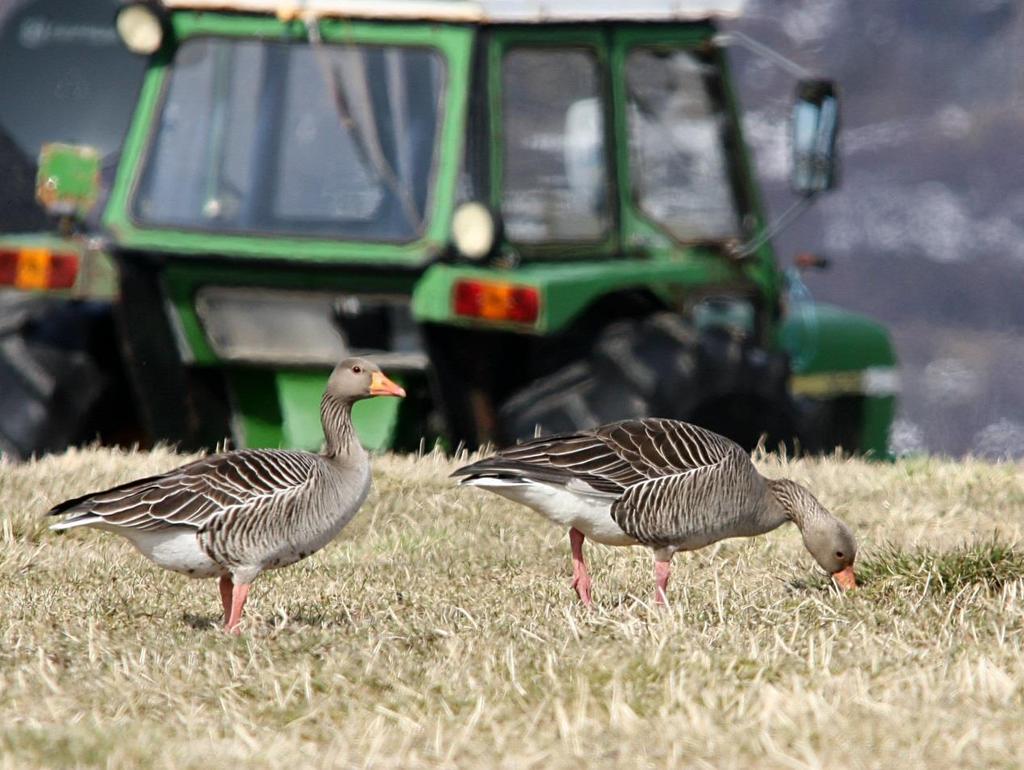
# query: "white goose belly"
(590, 514)
(176, 549)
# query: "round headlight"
(473, 230)
(140, 28)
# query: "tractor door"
(551, 158)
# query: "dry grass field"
(441, 631)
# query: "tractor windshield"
(289, 139)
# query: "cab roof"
(479, 11)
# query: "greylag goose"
(237, 514)
(665, 484)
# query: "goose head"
(358, 378)
(828, 539)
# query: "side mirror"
(68, 181)
(814, 131)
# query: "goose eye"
(839, 554)
(357, 369)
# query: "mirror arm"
(785, 219)
(800, 72)
(725, 39)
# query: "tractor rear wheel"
(660, 366)
(49, 381)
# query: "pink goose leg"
(580, 577)
(238, 596)
(226, 586)
(661, 570)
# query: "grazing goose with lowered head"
(237, 514)
(665, 484)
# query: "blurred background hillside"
(926, 232)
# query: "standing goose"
(234, 515)
(665, 484)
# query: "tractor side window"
(554, 181)
(679, 167)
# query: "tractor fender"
(841, 358)
(829, 346)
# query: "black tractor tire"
(659, 366)
(827, 425)
(49, 383)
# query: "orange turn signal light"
(37, 269)
(493, 301)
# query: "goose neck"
(339, 433)
(782, 501)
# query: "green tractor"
(535, 219)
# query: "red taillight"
(37, 269)
(63, 271)
(526, 302)
(466, 298)
(496, 301)
(8, 267)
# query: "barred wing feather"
(655, 448)
(196, 494)
(610, 459)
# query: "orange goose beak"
(845, 578)
(380, 385)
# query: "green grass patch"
(993, 563)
